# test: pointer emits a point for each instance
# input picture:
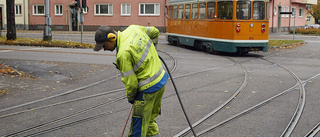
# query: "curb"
(41, 45)
(289, 45)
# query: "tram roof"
(190, 1)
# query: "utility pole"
(290, 15)
(47, 36)
(81, 21)
(80, 16)
(294, 27)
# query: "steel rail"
(292, 122)
(165, 97)
(316, 128)
(78, 99)
(57, 95)
(300, 106)
(78, 122)
(63, 102)
(76, 113)
(93, 117)
(246, 111)
(65, 117)
(175, 63)
(313, 131)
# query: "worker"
(141, 72)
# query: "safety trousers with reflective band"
(146, 108)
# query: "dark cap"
(101, 36)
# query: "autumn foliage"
(315, 11)
(306, 31)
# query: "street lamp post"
(47, 36)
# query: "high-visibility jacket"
(138, 61)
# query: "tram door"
(74, 18)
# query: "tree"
(315, 12)
(11, 25)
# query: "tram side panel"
(219, 35)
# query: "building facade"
(283, 22)
(122, 13)
(21, 14)
(118, 14)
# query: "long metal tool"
(175, 88)
(125, 125)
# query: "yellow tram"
(219, 25)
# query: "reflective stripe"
(128, 73)
(139, 63)
(143, 57)
(148, 30)
(148, 80)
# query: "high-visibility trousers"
(146, 108)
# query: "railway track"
(51, 122)
(295, 118)
(288, 130)
(69, 101)
(313, 131)
(300, 106)
(58, 95)
(197, 123)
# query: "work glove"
(130, 101)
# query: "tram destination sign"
(285, 12)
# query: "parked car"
(311, 26)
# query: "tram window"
(268, 10)
(195, 11)
(180, 12)
(211, 10)
(225, 9)
(187, 11)
(170, 12)
(202, 11)
(175, 12)
(258, 10)
(244, 10)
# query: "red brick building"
(282, 22)
(121, 13)
(116, 13)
